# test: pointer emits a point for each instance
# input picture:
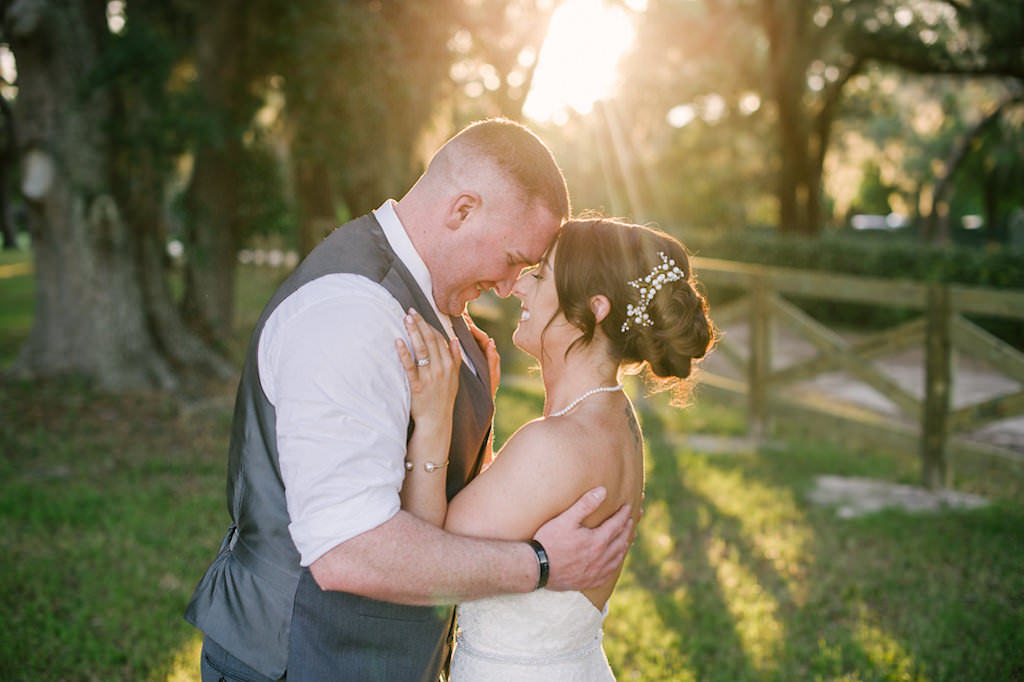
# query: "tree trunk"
(821, 137)
(935, 224)
(787, 67)
(139, 184)
(91, 315)
(315, 203)
(213, 231)
(210, 233)
(995, 232)
(8, 152)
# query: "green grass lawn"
(111, 508)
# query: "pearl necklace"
(593, 391)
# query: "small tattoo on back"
(635, 428)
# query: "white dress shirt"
(327, 363)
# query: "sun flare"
(577, 63)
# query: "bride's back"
(547, 465)
(610, 449)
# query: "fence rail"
(925, 414)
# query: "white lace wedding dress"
(535, 637)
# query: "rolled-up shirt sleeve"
(328, 364)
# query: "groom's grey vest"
(255, 600)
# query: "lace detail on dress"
(576, 655)
(543, 635)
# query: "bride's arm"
(538, 473)
(433, 386)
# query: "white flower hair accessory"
(667, 271)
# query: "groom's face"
(489, 249)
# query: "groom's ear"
(460, 208)
(600, 306)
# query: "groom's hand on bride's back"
(582, 558)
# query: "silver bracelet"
(429, 467)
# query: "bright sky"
(577, 62)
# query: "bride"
(607, 298)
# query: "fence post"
(938, 379)
(760, 357)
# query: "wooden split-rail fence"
(925, 416)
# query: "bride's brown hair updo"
(603, 257)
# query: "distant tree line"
(141, 121)
(769, 83)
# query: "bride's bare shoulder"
(538, 439)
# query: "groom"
(321, 575)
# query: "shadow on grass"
(711, 639)
(762, 586)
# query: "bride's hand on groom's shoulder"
(432, 368)
(490, 351)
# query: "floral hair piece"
(668, 271)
